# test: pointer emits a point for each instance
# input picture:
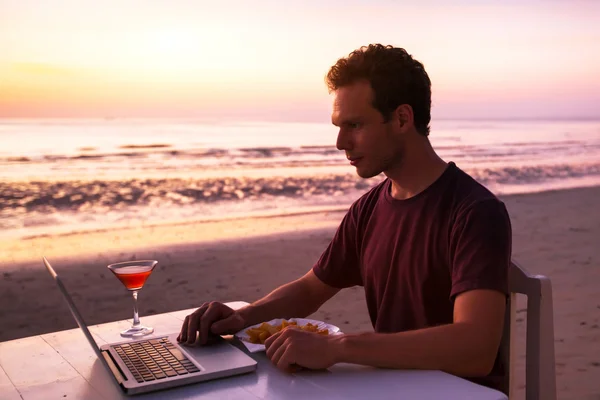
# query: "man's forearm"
(454, 348)
(290, 300)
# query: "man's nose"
(343, 141)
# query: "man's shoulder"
(469, 192)
(470, 197)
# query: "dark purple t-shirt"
(414, 256)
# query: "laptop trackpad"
(221, 355)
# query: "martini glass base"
(137, 331)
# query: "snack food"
(261, 333)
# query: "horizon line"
(290, 120)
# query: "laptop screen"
(74, 310)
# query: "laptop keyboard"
(154, 359)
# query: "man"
(430, 245)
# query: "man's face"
(371, 145)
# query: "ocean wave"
(533, 174)
(18, 159)
(145, 146)
(44, 196)
(74, 195)
(31, 208)
(164, 152)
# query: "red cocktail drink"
(133, 275)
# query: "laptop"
(158, 362)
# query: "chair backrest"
(540, 374)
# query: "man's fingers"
(225, 326)
(272, 343)
(277, 344)
(201, 321)
(276, 351)
(187, 329)
(213, 313)
(193, 325)
(287, 362)
(183, 334)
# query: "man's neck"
(416, 173)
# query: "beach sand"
(555, 234)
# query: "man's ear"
(404, 114)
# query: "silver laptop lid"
(74, 311)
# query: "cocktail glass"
(133, 275)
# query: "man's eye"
(354, 125)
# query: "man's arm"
(298, 298)
(467, 347)
(481, 243)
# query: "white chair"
(540, 375)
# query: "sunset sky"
(267, 59)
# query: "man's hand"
(292, 348)
(212, 318)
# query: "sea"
(60, 176)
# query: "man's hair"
(395, 77)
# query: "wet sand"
(555, 234)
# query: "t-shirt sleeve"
(339, 265)
(481, 240)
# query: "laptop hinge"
(114, 368)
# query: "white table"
(62, 365)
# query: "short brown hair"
(395, 77)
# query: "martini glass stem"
(136, 317)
